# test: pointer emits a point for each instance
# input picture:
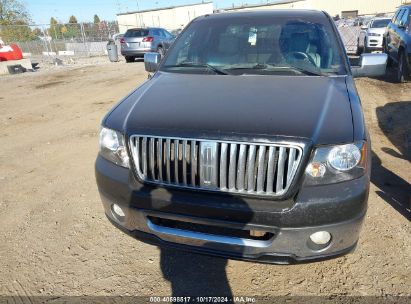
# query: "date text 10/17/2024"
(200, 299)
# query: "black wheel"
(402, 73)
(130, 58)
(160, 50)
(385, 50)
(360, 49)
(365, 49)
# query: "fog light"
(321, 238)
(118, 212)
(316, 169)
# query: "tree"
(73, 19)
(72, 29)
(12, 11)
(55, 28)
(53, 21)
(37, 32)
(96, 19)
(14, 21)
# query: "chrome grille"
(236, 167)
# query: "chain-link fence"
(349, 36)
(75, 39)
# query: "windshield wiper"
(258, 66)
(304, 71)
(198, 65)
(264, 66)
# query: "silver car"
(138, 41)
(371, 37)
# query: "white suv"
(371, 37)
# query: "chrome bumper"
(286, 242)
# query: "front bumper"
(136, 52)
(338, 209)
(374, 43)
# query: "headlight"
(344, 158)
(333, 164)
(113, 148)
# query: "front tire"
(360, 49)
(366, 50)
(385, 50)
(403, 74)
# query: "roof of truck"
(264, 13)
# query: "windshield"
(135, 33)
(380, 23)
(264, 45)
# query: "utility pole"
(139, 14)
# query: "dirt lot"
(55, 239)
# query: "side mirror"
(371, 65)
(151, 62)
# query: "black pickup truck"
(248, 141)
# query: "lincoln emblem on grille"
(208, 164)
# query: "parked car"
(371, 36)
(248, 141)
(117, 37)
(138, 41)
(397, 42)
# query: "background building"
(177, 17)
(343, 8)
(171, 18)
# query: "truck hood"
(377, 30)
(219, 106)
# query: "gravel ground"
(56, 241)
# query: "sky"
(84, 10)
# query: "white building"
(177, 17)
(343, 8)
(171, 18)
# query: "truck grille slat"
(251, 169)
(280, 171)
(272, 164)
(151, 151)
(291, 161)
(160, 159)
(232, 167)
(223, 166)
(168, 151)
(185, 162)
(176, 161)
(193, 158)
(144, 148)
(241, 168)
(260, 169)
